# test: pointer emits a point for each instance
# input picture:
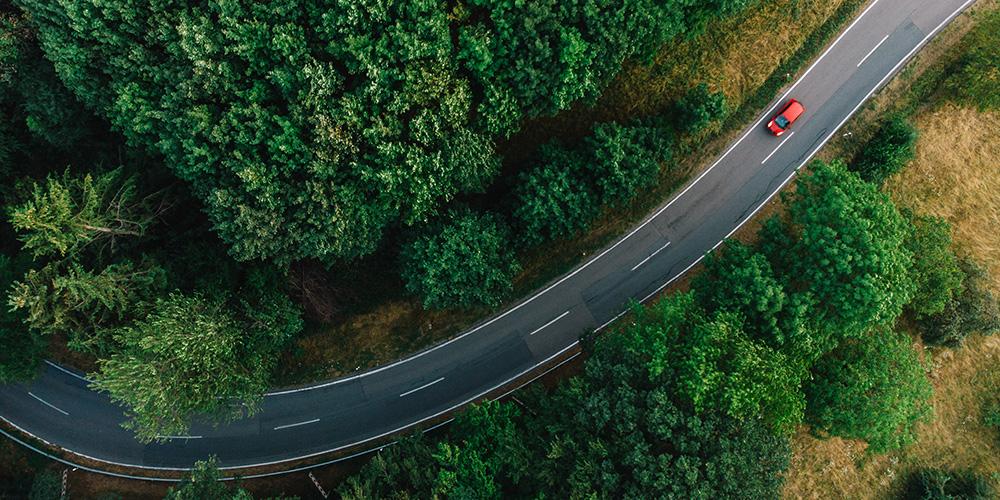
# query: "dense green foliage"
(47, 485)
(976, 81)
(307, 128)
(892, 147)
(935, 269)
(22, 350)
(700, 107)
(466, 261)
(937, 484)
(204, 484)
(185, 358)
(842, 243)
(562, 194)
(973, 310)
(873, 388)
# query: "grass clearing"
(739, 55)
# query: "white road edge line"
(495, 387)
(546, 325)
(767, 113)
(179, 437)
(46, 403)
(650, 256)
(782, 143)
(869, 54)
(68, 372)
(307, 422)
(411, 391)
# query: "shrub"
(625, 159)
(553, 200)
(974, 309)
(873, 388)
(892, 147)
(699, 107)
(936, 484)
(935, 267)
(47, 485)
(464, 262)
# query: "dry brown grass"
(955, 439)
(956, 175)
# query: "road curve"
(293, 424)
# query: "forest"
(168, 167)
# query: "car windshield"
(781, 121)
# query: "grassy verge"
(742, 56)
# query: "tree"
(69, 299)
(937, 484)
(892, 147)
(68, 213)
(699, 107)
(46, 486)
(973, 309)
(625, 159)
(464, 262)
(205, 483)
(188, 357)
(553, 200)
(842, 243)
(873, 388)
(935, 268)
(22, 350)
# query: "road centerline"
(768, 157)
(650, 256)
(313, 421)
(411, 391)
(546, 325)
(46, 403)
(870, 52)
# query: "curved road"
(59, 408)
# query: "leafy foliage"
(552, 199)
(22, 350)
(308, 128)
(700, 107)
(625, 159)
(204, 484)
(68, 213)
(186, 358)
(843, 244)
(973, 309)
(937, 484)
(935, 268)
(873, 388)
(46, 486)
(464, 262)
(976, 82)
(892, 147)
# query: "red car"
(784, 119)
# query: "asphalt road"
(60, 409)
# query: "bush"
(553, 200)
(699, 107)
(464, 262)
(935, 267)
(892, 147)
(625, 159)
(873, 388)
(935, 484)
(974, 309)
(47, 485)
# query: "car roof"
(793, 110)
